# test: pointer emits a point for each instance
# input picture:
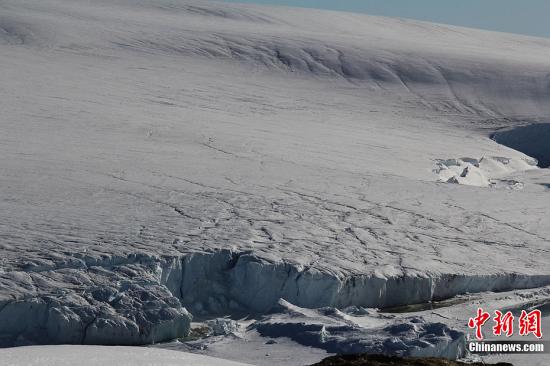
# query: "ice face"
(122, 305)
(130, 303)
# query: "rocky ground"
(378, 360)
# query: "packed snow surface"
(97, 355)
(169, 158)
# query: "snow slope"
(169, 157)
(94, 355)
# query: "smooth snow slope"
(167, 154)
(95, 355)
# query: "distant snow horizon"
(508, 16)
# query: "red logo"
(503, 323)
(529, 323)
(478, 322)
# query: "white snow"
(97, 355)
(167, 157)
(483, 172)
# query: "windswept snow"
(94, 355)
(165, 158)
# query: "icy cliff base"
(99, 307)
(291, 334)
(168, 155)
(336, 332)
(138, 300)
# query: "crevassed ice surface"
(162, 158)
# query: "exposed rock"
(380, 360)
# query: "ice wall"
(142, 301)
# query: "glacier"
(170, 160)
